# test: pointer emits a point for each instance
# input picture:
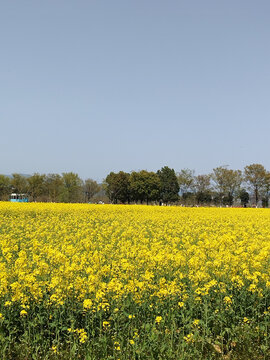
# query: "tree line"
(68, 187)
(222, 187)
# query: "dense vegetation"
(222, 187)
(134, 282)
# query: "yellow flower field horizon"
(98, 256)
(93, 249)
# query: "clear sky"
(99, 86)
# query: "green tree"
(72, 189)
(5, 187)
(203, 189)
(169, 185)
(19, 184)
(227, 183)
(145, 186)
(54, 185)
(186, 180)
(255, 176)
(111, 187)
(117, 187)
(266, 190)
(244, 197)
(203, 197)
(91, 188)
(36, 186)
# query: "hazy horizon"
(94, 87)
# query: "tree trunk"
(256, 196)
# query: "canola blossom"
(196, 280)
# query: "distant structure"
(18, 198)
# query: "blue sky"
(100, 86)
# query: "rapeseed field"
(134, 282)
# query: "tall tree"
(202, 183)
(19, 183)
(111, 187)
(72, 190)
(244, 197)
(36, 186)
(186, 180)
(91, 188)
(54, 187)
(202, 186)
(123, 187)
(145, 186)
(227, 183)
(5, 187)
(117, 187)
(266, 190)
(169, 185)
(255, 176)
(186, 183)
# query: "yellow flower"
(87, 304)
(227, 300)
(189, 338)
(83, 336)
(99, 257)
(54, 349)
(23, 313)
